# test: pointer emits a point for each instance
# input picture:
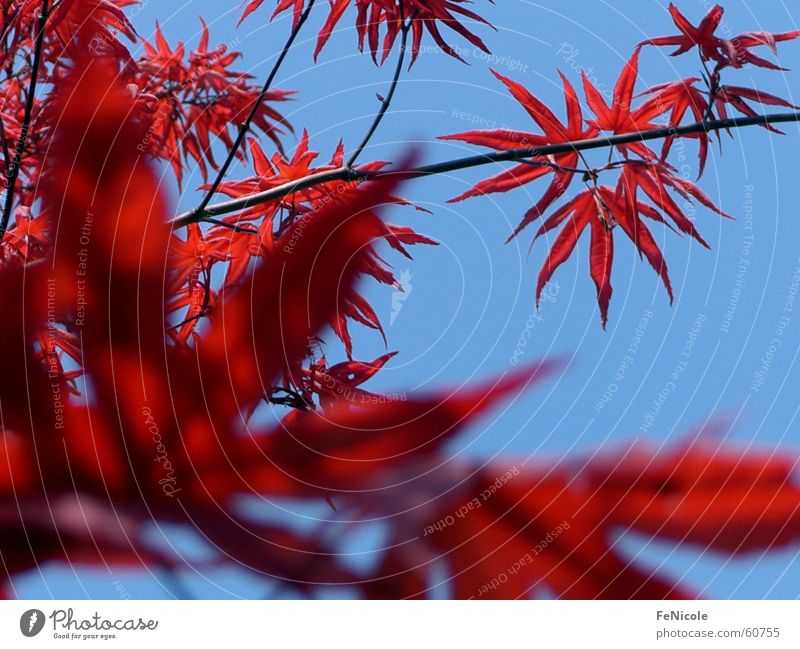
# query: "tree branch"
(4, 143)
(508, 155)
(245, 127)
(386, 102)
(26, 123)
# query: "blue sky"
(470, 301)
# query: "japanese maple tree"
(138, 345)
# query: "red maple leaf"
(680, 98)
(89, 507)
(165, 430)
(196, 98)
(734, 52)
(277, 217)
(600, 208)
(621, 117)
(515, 529)
(737, 97)
(554, 131)
(383, 19)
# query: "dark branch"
(509, 155)
(4, 143)
(26, 122)
(245, 127)
(386, 102)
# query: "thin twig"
(386, 102)
(245, 127)
(231, 226)
(507, 155)
(26, 122)
(557, 167)
(712, 80)
(4, 142)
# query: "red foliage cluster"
(725, 52)
(644, 172)
(192, 99)
(120, 409)
(256, 232)
(197, 99)
(378, 22)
